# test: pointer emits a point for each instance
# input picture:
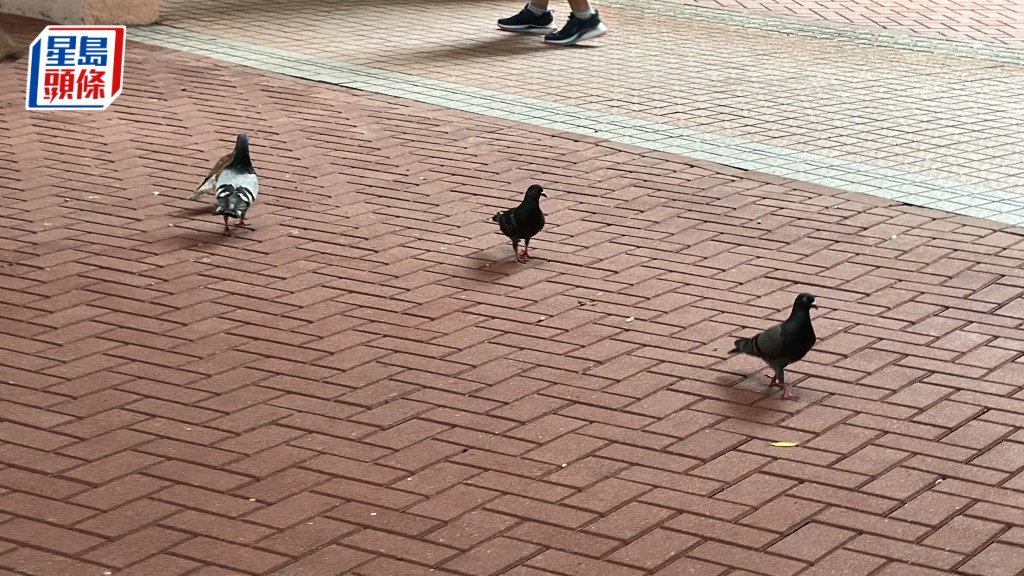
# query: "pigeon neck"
(242, 159)
(799, 313)
(533, 202)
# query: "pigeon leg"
(227, 229)
(515, 251)
(242, 224)
(777, 377)
(787, 391)
(525, 255)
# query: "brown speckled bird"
(209, 185)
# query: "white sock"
(538, 10)
(584, 14)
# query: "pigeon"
(523, 222)
(8, 49)
(783, 344)
(237, 185)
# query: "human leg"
(579, 7)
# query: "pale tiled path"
(993, 22)
(936, 125)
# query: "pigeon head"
(535, 191)
(804, 301)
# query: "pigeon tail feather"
(746, 346)
(234, 211)
(234, 201)
(738, 346)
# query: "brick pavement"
(365, 385)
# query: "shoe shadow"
(507, 44)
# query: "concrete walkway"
(366, 384)
(977, 22)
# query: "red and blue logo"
(75, 68)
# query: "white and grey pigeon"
(237, 186)
(523, 222)
(785, 343)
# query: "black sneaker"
(577, 30)
(527, 21)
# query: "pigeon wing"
(531, 221)
(507, 223)
(769, 344)
(797, 336)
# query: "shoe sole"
(528, 29)
(580, 37)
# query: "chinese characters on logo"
(75, 68)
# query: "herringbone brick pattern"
(366, 384)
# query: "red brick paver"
(366, 385)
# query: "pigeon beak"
(815, 306)
(543, 194)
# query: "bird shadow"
(487, 267)
(196, 210)
(742, 387)
(214, 237)
(731, 379)
(486, 261)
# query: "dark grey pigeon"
(785, 343)
(237, 186)
(523, 222)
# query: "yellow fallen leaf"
(785, 444)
